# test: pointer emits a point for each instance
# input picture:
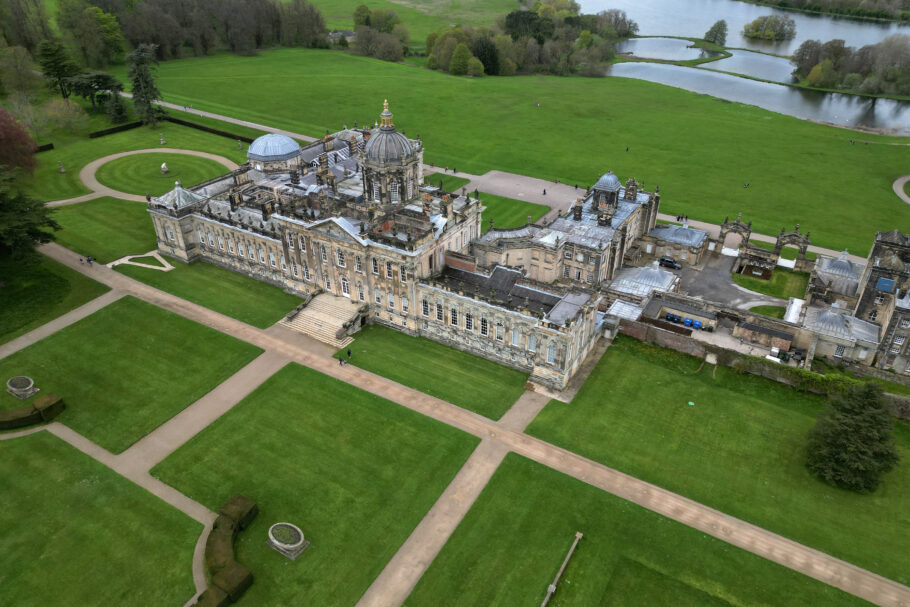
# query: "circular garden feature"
(141, 173)
(287, 539)
(21, 387)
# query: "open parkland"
(420, 474)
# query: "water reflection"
(847, 110)
(757, 65)
(672, 49)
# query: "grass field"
(508, 212)
(450, 183)
(142, 173)
(421, 17)
(772, 311)
(32, 293)
(235, 295)
(106, 228)
(76, 151)
(740, 449)
(77, 533)
(460, 378)
(354, 471)
(783, 283)
(513, 540)
(785, 253)
(698, 149)
(126, 369)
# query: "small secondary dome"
(387, 145)
(608, 182)
(273, 147)
(840, 267)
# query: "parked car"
(669, 262)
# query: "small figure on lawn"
(164, 169)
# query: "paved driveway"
(713, 282)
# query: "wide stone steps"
(323, 317)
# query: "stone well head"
(21, 387)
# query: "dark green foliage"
(57, 65)
(460, 60)
(90, 85)
(882, 68)
(718, 33)
(301, 24)
(23, 23)
(24, 221)
(852, 444)
(142, 63)
(771, 27)
(116, 109)
(485, 50)
(93, 33)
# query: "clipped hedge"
(229, 579)
(115, 129)
(208, 129)
(44, 148)
(801, 379)
(43, 409)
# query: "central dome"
(273, 147)
(608, 182)
(387, 145)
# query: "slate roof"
(643, 280)
(834, 323)
(689, 237)
(273, 146)
(179, 198)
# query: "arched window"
(516, 337)
(551, 354)
(345, 287)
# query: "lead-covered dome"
(608, 182)
(273, 147)
(387, 145)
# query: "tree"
(771, 27)
(57, 65)
(302, 24)
(718, 33)
(115, 109)
(458, 66)
(24, 221)
(486, 52)
(66, 116)
(142, 64)
(475, 67)
(23, 23)
(94, 34)
(619, 21)
(852, 443)
(807, 56)
(822, 75)
(89, 85)
(17, 71)
(361, 16)
(17, 149)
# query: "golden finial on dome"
(386, 116)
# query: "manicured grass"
(907, 188)
(422, 17)
(106, 229)
(77, 151)
(772, 311)
(450, 183)
(148, 260)
(697, 148)
(628, 556)
(740, 449)
(784, 283)
(508, 212)
(460, 378)
(355, 472)
(34, 292)
(75, 532)
(142, 173)
(126, 369)
(785, 253)
(235, 295)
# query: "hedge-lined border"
(228, 579)
(43, 409)
(208, 129)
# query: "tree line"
(875, 69)
(876, 9)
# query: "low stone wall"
(228, 579)
(43, 409)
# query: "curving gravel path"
(87, 174)
(899, 188)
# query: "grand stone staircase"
(324, 317)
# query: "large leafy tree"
(57, 65)
(17, 149)
(458, 66)
(142, 64)
(852, 443)
(91, 85)
(718, 33)
(94, 34)
(24, 221)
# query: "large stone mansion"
(348, 224)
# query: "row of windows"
(565, 274)
(341, 259)
(469, 323)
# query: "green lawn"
(74, 532)
(772, 311)
(699, 149)
(77, 151)
(508, 212)
(32, 293)
(450, 183)
(106, 228)
(784, 283)
(513, 540)
(148, 260)
(142, 173)
(126, 369)
(232, 294)
(785, 253)
(357, 473)
(740, 449)
(460, 378)
(907, 188)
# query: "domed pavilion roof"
(386, 145)
(273, 147)
(608, 182)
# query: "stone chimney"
(631, 189)
(235, 200)
(576, 210)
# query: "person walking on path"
(81, 260)
(89, 260)
(349, 354)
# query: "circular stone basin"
(20, 383)
(286, 535)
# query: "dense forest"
(876, 69)
(876, 9)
